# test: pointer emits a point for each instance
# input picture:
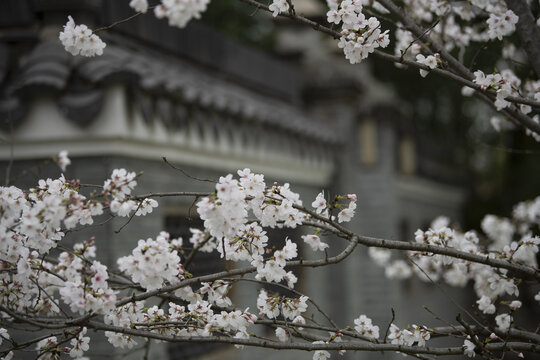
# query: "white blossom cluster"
(282, 334)
(273, 270)
(196, 319)
(320, 354)
(4, 335)
(139, 5)
(506, 84)
(323, 208)
(449, 23)
(180, 12)
(426, 10)
(80, 343)
(63, 160)
(86, 288)
(124, 316)
(347, 213)
(216, 292)
(271, 306)
(226, 211)
(455, 26)
(48, 348)
(414, 334)
(118, 187)
(79, 39)
(235, 216)
(278, 6)
(315, 242)
(534, 135)
(527, 213)
(225, 214)
(458, 27)
(431, 61)
(405, 45)
(199, 239)
(360, 36)
(468, 347)
(509, 239)
(153, 263)
(249, 243)
(30, 225)
(35, 280)
(120, 183)
(365, 327)
(501, 25)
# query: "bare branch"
(528, 32)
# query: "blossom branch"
(462, 74)
(364, 346)
(523, 270)
(235, 272)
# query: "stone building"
(211, 106)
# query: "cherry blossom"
(63, 160)
(139, 5)
(83, 283)
(347, 213)
(282, 334)
(146, 206)
(40, 283)
(278, 6)
(485, 305)
(320, 203)
(320, 354)
(80, 344)
(503, 321)
(120, 184)
(180, 12)
(314, 242)
(3, 335)
(430, 61)
(365, 327)
(501, 25)
(468, 347)
(79, 40)
(153, 263)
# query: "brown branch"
(186, 173)
(358, 346)
(193, 252)
(296, 292)
(514, 333)
(235, 272)
(169, 194)
(525, 271)
(528, 32)
(460, 72)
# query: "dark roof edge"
(205, 46)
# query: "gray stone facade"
(212, 106)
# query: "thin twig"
(389, 325)
(185, 173)
(108, 27)
(11, 153)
